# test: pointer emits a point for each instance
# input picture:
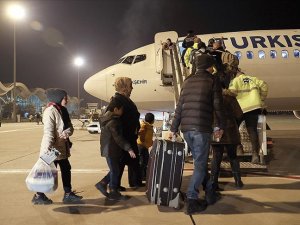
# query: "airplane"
(271, 55)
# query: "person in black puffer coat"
(200, 97)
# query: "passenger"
(201, 94)
(37, 118)
(198, 44)
(57, 129)
(210, 44)
(187, 43)
(216, 52)
(170, 43)
(112, 145)
(130, 128)
(229, 141)
(251, 93)
(145, 141)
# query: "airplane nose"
(96, 86)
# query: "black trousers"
(134, 175)
(65, 169)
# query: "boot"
(215, 184)
(235, 166)
(237, 179)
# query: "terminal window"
(273, 54)
(284, 54)
(297, 53)
(261, 54)
(238, 54)
(250, 55)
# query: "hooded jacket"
(112, 142)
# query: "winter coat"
(130, 120)
(145, 134)
(53, 128)
(233, 115)
(200, 96)
(112, 142)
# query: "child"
(112, 144)
(145, 141)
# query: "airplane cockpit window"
(261, 54)
(250, 55)
(238, 54)
(120, 60)
(297, 53)
(284, 54)
(128, 60)
(139, 58)
(273, 54)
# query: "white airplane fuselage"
(282, 73)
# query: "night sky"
(102, 31)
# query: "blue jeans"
(112, 177)
(199, 144)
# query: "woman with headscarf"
(130, 127)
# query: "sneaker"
(41, 199)
(195, 206)
(116, 196)
(102, 187)
(71, 198)
(212, 197)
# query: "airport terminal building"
(28, 101)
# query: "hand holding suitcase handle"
(172, 136)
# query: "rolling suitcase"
(164, 173)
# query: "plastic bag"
(42, 177)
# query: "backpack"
(230, 62)
(195, 53)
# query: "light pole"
(15, 12)
(78, 62)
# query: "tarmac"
(270, 196)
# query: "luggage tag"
(49, 156)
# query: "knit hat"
(123, 84)
(56, 95)
(204, 61)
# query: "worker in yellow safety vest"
(251, 93)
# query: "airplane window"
(297, 53)
(261, 54)
(120, 60)
(284, 54)
(139, 58)
(273, 54)
(238, 54)
(249, 54)
(128, 60)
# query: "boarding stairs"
(168, 61)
